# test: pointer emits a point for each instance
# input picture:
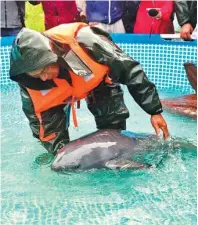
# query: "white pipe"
(173, 36)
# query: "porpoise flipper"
(125, 164)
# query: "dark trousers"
(107, 105)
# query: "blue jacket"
(108, 12)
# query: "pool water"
(33, 194)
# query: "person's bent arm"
(182, 12)
(124, 70)
(184, 19)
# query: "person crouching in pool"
(70, 62)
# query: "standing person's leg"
(118, 27)
(106, 103)
(103, 26)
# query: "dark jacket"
(108, 105)
(186, 12)
(107, 12)
(129, 15)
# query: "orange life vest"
(81, 85)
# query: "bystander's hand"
(186, 31)
(158, 124)
(159, 15)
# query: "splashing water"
(33, 194)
